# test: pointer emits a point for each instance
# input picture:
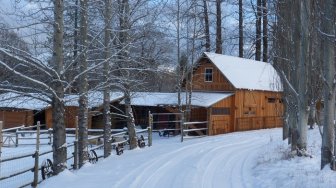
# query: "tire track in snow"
(226, 165)
(139, 173)
(221, 166)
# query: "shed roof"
(246, 73)
(201, 99)
(35, 101)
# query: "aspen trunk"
(83, 88)
(219, 48)
(206, 26)
(328, 57)
(258, 31)
(241, 34)
(130, 122)
(265, 31)
(59, 137)
(106, 112)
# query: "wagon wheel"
(93, 158)
(46, 169)
(119, 149)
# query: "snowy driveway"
(213, 162)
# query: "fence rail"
(36, 165)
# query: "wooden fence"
(41, 167)
(185, 129)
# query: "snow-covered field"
(245, 159)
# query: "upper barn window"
(208, 74)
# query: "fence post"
(50, 136)
(16, 138)
(36, 155)
(75, 154)
(150, 128)
(207, 130)
(182, 126)
(75, 165)
(76, 128)
(1, 139)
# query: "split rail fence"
(20, 170)
(187, 130)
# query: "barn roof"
(202, 99)
(246, 73)
(18, 101)
(35, 101)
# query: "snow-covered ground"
(245, 159)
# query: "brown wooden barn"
(256, 100)
(231, 93)
(71, 109)
(13, 117)
(17, 110)
(157, 102)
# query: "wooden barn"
(17, 110)
(231, 93)
(256, 100)
(157, 102)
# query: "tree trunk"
(241, 29)
(328, 57)
(206, 26)
(303, 55)
(59, 136)
(130, 122)
(219, 48)
(83, 88)
(106, 71)
(265, 31)
(258, 31)
(124, 57)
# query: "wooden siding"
(257, 101)
(70, 117)
(16, 118)
(219, 82)
(257, 110)
(220, 124)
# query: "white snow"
(35, 101)
(202, 99)
(14, 100)
(244, 159)
(246, 73)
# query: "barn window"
(271, 100)
(220, 111)
(208, 75)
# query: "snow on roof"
(246, 73)
(38, 102)
(14, 100)
(201, 99)
(95, 98)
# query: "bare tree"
(83, 87)
(327, 31)
(106, 111)
(265, 30)
(59, 137)
(241, 29)
(206, 26)
(258, 31)
(219, 48)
